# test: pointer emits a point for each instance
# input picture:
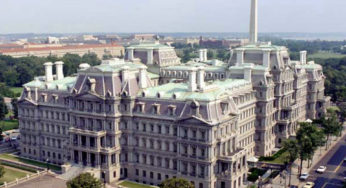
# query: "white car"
(321, 169)
(304, 176)
(309, 185)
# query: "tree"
(211, 54)
(85, 180)
(309, 138)
(14, 103)
(2, 171)
(3, 108)
(176, 183)
(291, 146)
(330, 124)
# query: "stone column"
(130, 53)
(109, 159)
(150, 56)
(248, 73)
(240, 56)
(266, 57)
(88, 159)
(200, 78)
(80, 157)
(143, 77)
(192, 80)
(205, 55)
(201, 55)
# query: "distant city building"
(229, 43)
(53, 40)
(153, 54)
(149, 117)
(59, 50)
(144, 37)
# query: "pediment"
(90, 96)
(26, 101)
(192, 120)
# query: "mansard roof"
(180, 91)
(61, 85)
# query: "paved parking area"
(45, 181)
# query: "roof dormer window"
(156, 109)
(140, 107)
(171, 110)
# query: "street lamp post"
(47, 162)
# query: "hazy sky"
(48, 16)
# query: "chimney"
(48, 71)
(303, 57)
(192, 80)
(240, 56)
(150, 56)
(200, 78)
(130, 54)
(248, 72)
(201, 55)
(125, 74)
(143, 77)
(266, 57)
(253, 22)
(59, 70)
(205, 54)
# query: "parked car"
(304, 176)
(321, 169)
(309, 185)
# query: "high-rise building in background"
(149, 117)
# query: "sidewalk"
(319, 154)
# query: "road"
(336, 167)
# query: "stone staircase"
(73, 171)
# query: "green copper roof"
(207, 67)
(117, 67)
(62, 84)
(254, 67)
(212, 92)
(153, 76)
(312, 66)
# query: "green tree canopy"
(176, 183)
(85, 180)
(2, 171)
(3, 108)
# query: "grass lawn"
(16, 90)
(281, 159)
(326, 55)
(11, 175)
(9, 124)
(278, 158)
(134, 185)
(28, 161)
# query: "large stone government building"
(149, 117)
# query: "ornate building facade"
(150, 118)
